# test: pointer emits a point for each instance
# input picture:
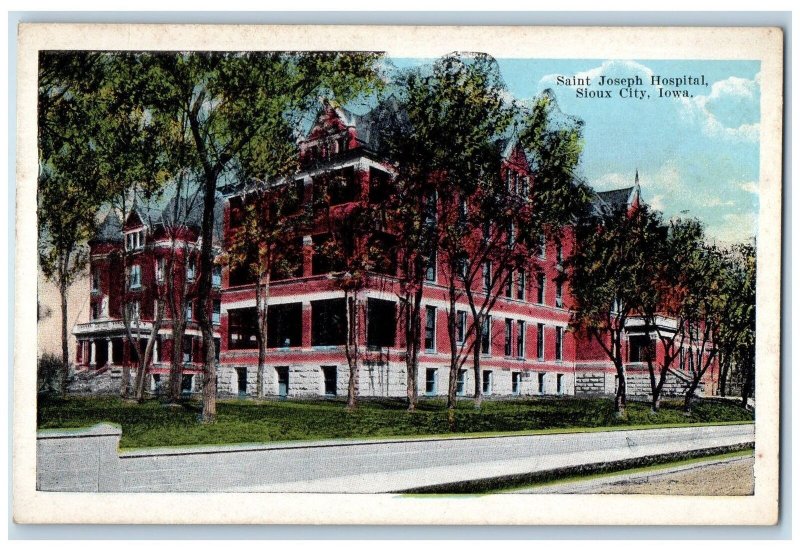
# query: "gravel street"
(726, 477)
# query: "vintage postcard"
(313, 274)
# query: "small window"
(559, 343)
(486, 335)
(543, 247)
(516, 377)
(524, 190)
(461, 326)
(487, 382)
(160, 266)
(96, 311)
(430, 382)
(136, 276)
(241, 379)
(461, 382)
(508, 336)
(520, 339)
(188, 345)
(216, 313)
(559, 254)
(430, 272)
(540, 341)
(329, 376)
(510, 287)
(559, 384)
(487, 276)
(521, 285)
(189, 311)
(430, 328)
(540, 289)
(559, 294)
(135, 310)
(190, 269)
(381, 323)
(187, 382)
(216, 276)
(95, 279)
(540, 383)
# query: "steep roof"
(616, 197)
(109, 230)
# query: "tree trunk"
(262, 307)
(453, 372)
(723, 376)
(124, 382)
(64, 338)
(476, 360)
(749, 381)
(351, 347)
(621, 397)
(655, 391)
(413, 333)
(689, 399)
(209, 414)
(176, 365)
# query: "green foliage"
(49, 373)
(152, 424)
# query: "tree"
(609, 267)
(231, 100)
(68, 198)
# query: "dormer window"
(134, 240)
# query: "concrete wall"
(638, 384)
(82, 460)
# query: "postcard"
(397, 275)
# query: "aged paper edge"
(641, 43)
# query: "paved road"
(713, 477)
(376, 467)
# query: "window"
(559, 384)
(328, 322)
(461, 266)
(430, 382)
(487, 276)
(487, 382)
(559, 254)
(540, 289)
(521, 285)
(559, 343)
(136, 276)
(216, 312)
(217, 345)
(462, 212)
(96, 311)
(284, 325)
(216, 276)
(516, 377)
(543, 247)
(242, 328)
(486, 231)
(430, 272)
(640, 348)
(189, 311)
(524, 190)
(511, 235)
(540, 383)
(508, 336)
(241, 380)
(540, 341)
(430, 328)
(559, 294)
(190, 269)
(510, 286)
(520, 339)
(379, 185)
(323, 260)
(381, 323)
(342, 186)
(461, 326)
(329, 378)
(461, 382)
(134, 240)
(95, 279)
(188, 345)
(187, 382)
(135, 310)
(486, 337)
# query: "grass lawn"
(153, 424)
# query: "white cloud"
(735, 228)
(729, 111)
(749, 187)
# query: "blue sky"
(696, 156)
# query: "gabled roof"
(109, 230)
(616, 197)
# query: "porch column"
(110, 359)
(93, 353)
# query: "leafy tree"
(68, 198)
(610, 266)
(232, 100)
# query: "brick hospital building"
(526, 345)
